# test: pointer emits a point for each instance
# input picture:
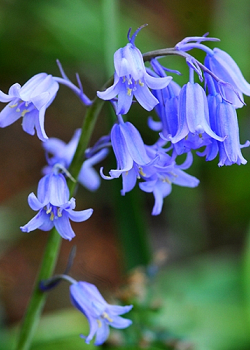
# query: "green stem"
(38, 298)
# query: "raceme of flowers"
(200, 117)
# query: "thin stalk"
(38, 298)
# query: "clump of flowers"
(198, 118)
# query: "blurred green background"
(204, 283)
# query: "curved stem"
(163, 52)
(38, 298)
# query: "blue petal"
(28, 123)
(34, 203)
(79, 216)
(102, 333)
(128, 181)
(145, 97)
(124, 160)
(222, 64)
(135, 61)
(28, 88)
(35, 222)
(134, 143)
(43, 190)
(124, 100)
(228, 125)
(13, 93)
(40, 100)
(157, 83)
(159, 195)
(120, 322)
(197, 113)
(110, 92)
(154, 125)
(119, 310)
(58, 190)
(8, 115)
(39, 125)
(63, 227)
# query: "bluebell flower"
(193, 115)
(29, 102)
(225, 68)
(223, 120)
(132, 80)
(159, 176)
(227, 124)
(87, 299)
(130, 154)
(168, 112)
(54, 207)
(150, 164)
(61, 153)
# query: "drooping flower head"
(132, 80)
(226, 69)
(54, 207)
(158, 177)
(130, 153)
(87, 299)
(29, 102)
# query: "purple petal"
(28, 123)
(58, 190)
(124, 160)
(154, 125)
(119, 310)
(29, 87)
(35, 222)
(128, 181)
(145, 97)
(63, 227)
(222, 64)
(158, 195)
(157, 83)
(89, 178)
(13, 93)
(39, 125)
(110, 92)
(34, 203)
(40, 100)
(8, 116)
(102, 333)
(134, 143)
(125, 99)
(79, 216)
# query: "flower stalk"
(38, 298)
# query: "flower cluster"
(200, 117)
(190, 117)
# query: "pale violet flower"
(29, 102)
(132, 80)
(225, 68)
(87, 299)
(54, 207)
(130, 153)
